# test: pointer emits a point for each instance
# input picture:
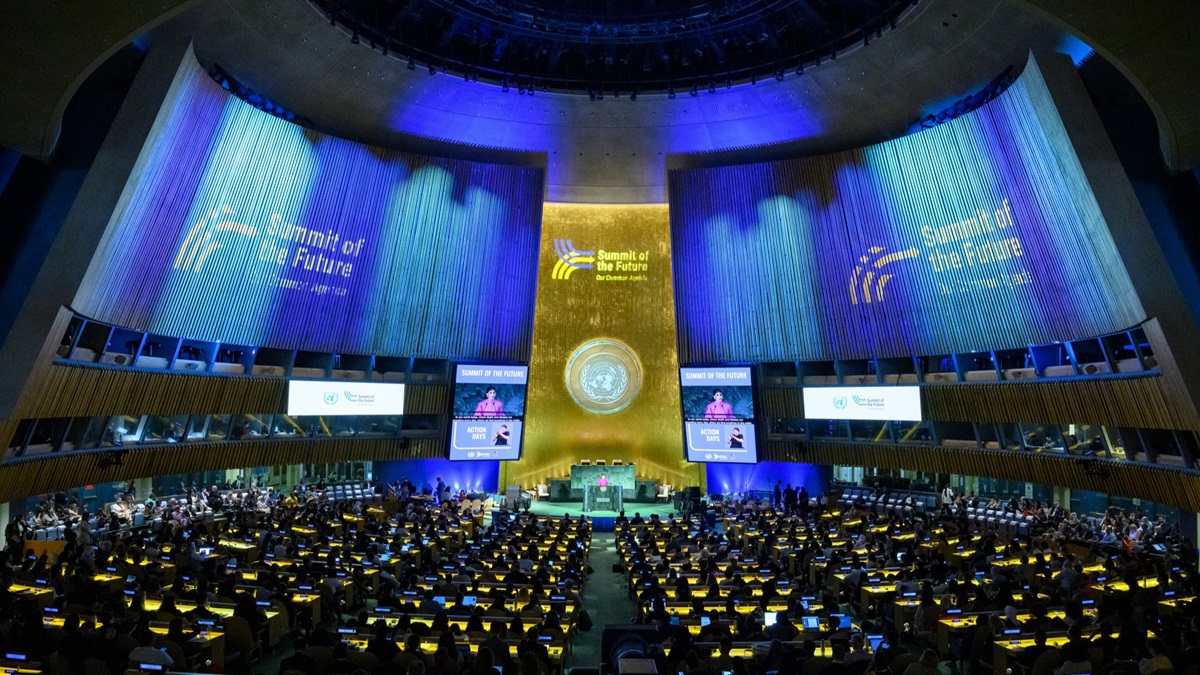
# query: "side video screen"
(489, 412)
(718, 415)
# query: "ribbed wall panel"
(241, 227)
(84, 391)
(1138, 401)
(873, 253)
(71, 469)
(1162, 485)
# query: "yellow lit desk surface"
(1171, 604)
(1121, 586)
(685, 609)
(41, 594)
(18, 670)
(429, 645)
(746, 649)
(1012, 648)
(199, 638)
(236, 545)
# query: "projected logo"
(603, 376)
(203, 239)
(570, 259)
(839, 402)
(331, 398)
(868, 281)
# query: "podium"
(606, 498)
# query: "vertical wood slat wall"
(1140, 401)
(42, 475)
(1159, 484)
(83, 391)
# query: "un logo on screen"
(603, 376)
(331, 398)
(839, 402)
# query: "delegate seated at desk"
(603, 481)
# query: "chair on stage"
(617, 462)
(543, 491)
(664, 493)
(585, 462)
(599, 462)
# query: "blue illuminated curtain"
(241, 227)
(979, 234)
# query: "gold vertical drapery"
(625, 303)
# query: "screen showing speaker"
(489, 412)
(718, 414)
(899, 404)
(344, 398)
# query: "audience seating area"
(334, 572)
(899, 582)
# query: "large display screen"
(489, 411)
(243, 228)
(344, 398)
(981, 233)
(897, 404)
(718, 415)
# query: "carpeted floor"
(606, 599)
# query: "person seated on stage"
(603, 482)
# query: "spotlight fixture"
(354, 38)
(712, 88)
(520, 88)
(591, 94)
(671, 92)
(693, 92)
(504, 85)
(779, 74)
(412, 63)
(633, 96)
(753, 78)
(800, 68)
(432, 70)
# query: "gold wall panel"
(626, 296)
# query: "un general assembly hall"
(621, 337)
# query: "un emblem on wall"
(603, 376)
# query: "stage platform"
(602, 521)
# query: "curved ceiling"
(615, 149)
(618, 44)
